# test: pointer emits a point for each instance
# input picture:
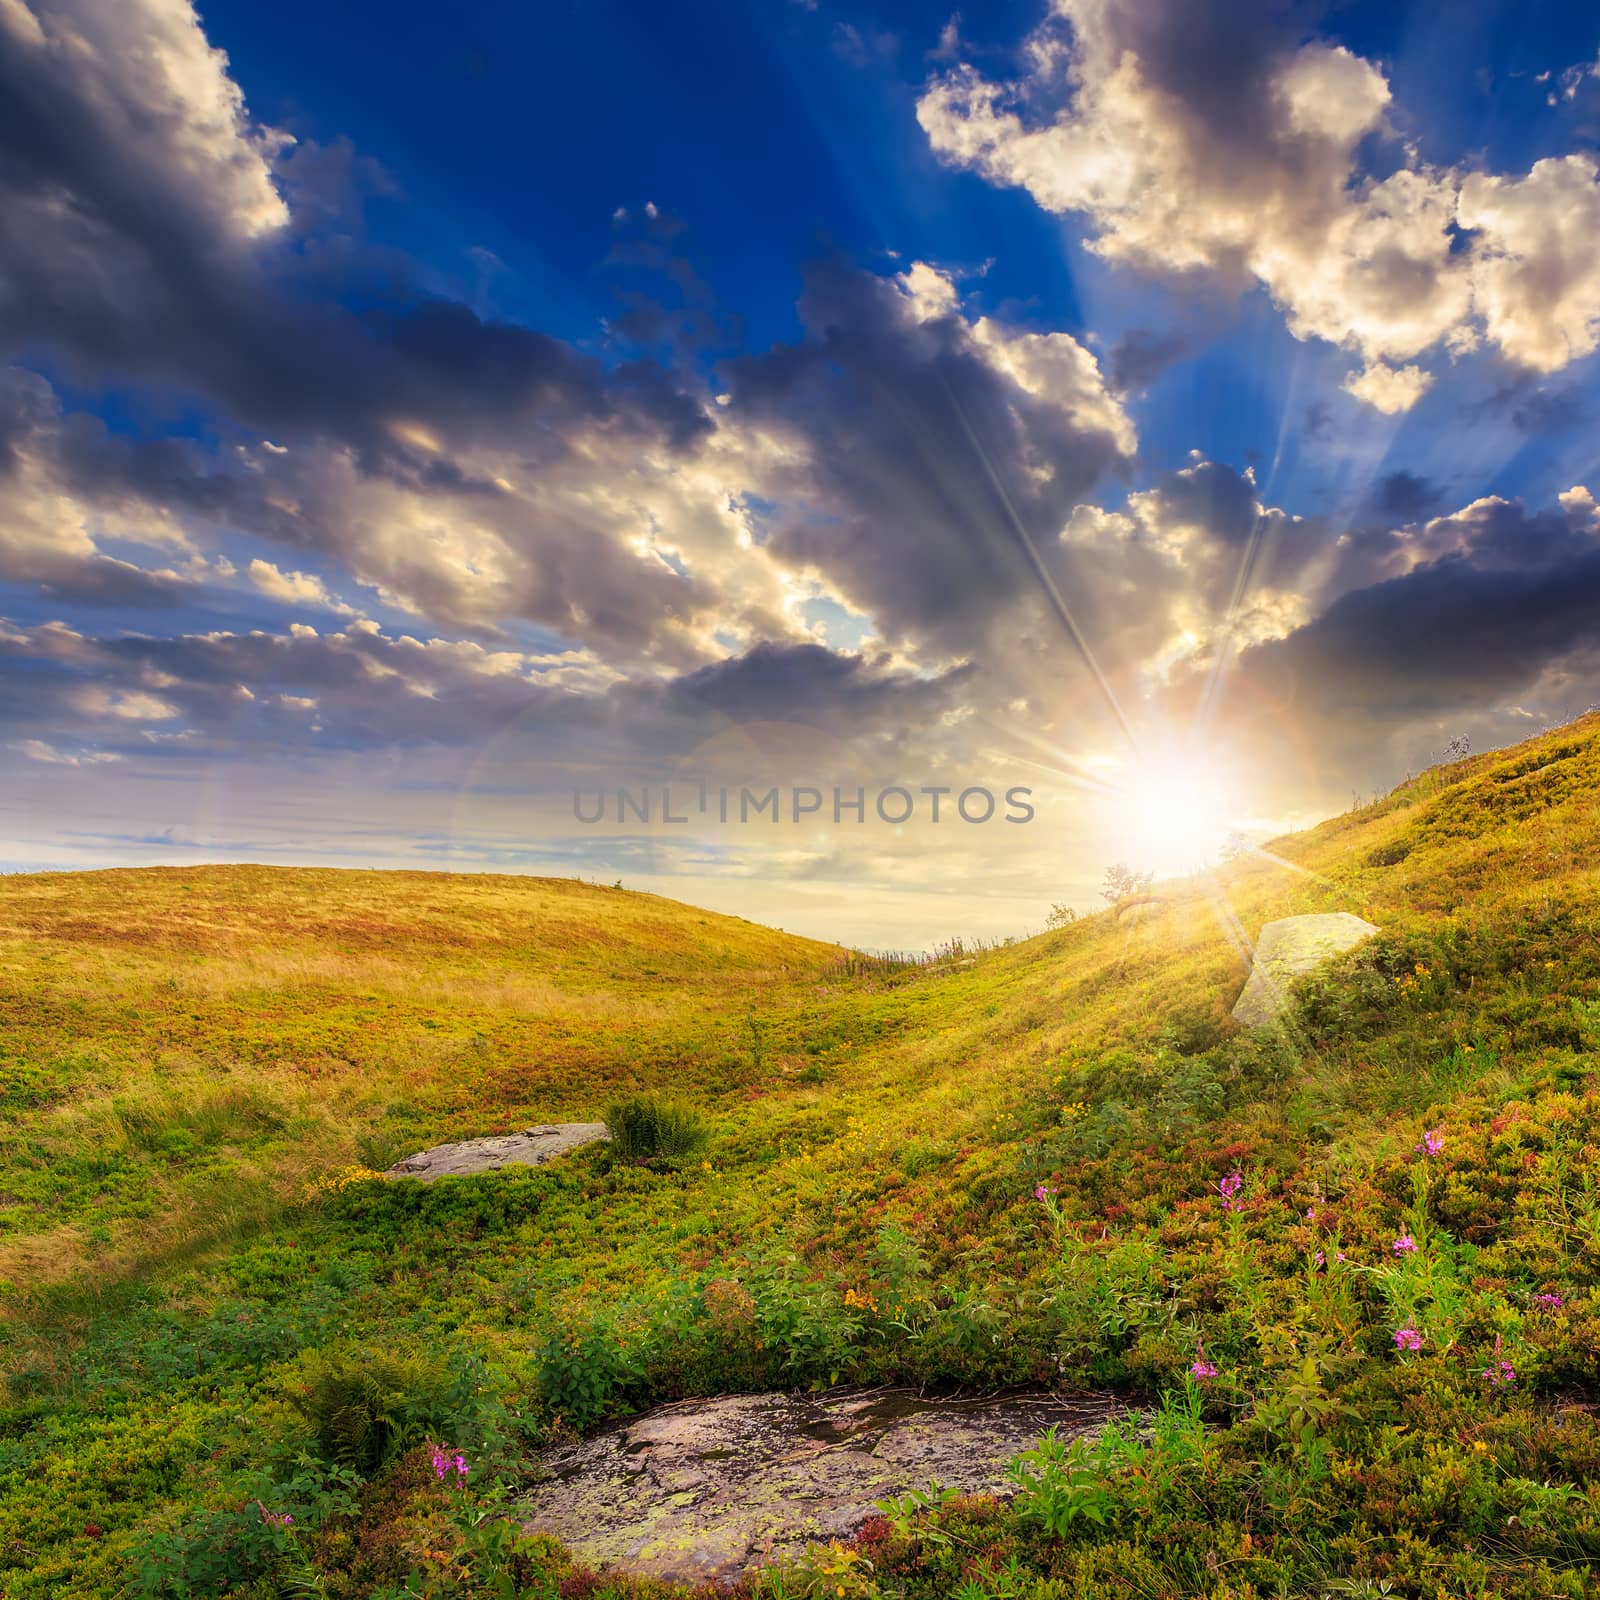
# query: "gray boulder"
(1289, 948)
(530, 1148)
(704, 1490)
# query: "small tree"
(1122, 880)
(1060, 917)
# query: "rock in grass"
(705, 1490)
(530, 1148)
(1289, 948)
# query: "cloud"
(295, 588)
(1140, 356)
(132, 705)
(243, 697)
(145, 234)
(474, 473)
(50, 535)
(39, 750)
(916, 446)
(160, 147)
(1535, 271)
(1207, 138)
(1468, 617)
(1389, 389)
(863, 48)
(1403, 494)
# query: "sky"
(1061, 434)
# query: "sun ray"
(1052, 592)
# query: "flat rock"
(1286, 950)
(704, 1490)
(532, 1147)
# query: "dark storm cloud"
(245, 696)
(920, 453)
(1140, 356)
(1516, 596)
(1403, 495)
(1213, 498)
(816, 684)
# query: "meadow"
(1347, 1270)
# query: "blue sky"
(408, 416)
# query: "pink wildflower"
(1548, 1302)
(1431, 1143)
(1499, 1373)
(1228, 1188)
(1407, 1339)
(1202, 1370)
(1404, 1245)
(1042, 1192)
(445, 1464)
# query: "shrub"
(645, 1128)
(1059, 1483)
(363, 1406)
(582, 1372)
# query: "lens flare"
(1178, 811)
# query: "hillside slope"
(1365, 1250)
(183, 1048)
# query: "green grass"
(196, 1068)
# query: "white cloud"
(132, 705)
(1056, 368)
(39, 750)
(295, 588)
(1536, 267)
(1389, 389)
(1262, 180)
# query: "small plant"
(830, 1572)
(911, 1515)
(646, 1129)
(755, 1032)
(340, 1179)
(1121, 881)
(1178, 1429)
(1059, 1484)
(581, 1370)
(450, 1467)
(363, 1406)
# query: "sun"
(1177, 812)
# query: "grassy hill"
(1017, 1168)
(184, 1048)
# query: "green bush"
(644, 1128)
(363, 1406)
